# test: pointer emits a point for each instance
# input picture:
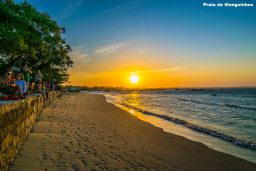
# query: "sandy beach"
(84, 132)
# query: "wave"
(240, 107)
(236, 141)
(218, 105)
(197, 102)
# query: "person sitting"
(8, 86)
(22, 83)
(37, 87)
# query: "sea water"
(223, 119)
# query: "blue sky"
(167, 33)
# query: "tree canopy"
(30, 37)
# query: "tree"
(32, 37)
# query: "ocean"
(222, 119)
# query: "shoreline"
(83, 131)
(212, 142)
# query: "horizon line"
(162, 87)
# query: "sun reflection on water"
(134, 98)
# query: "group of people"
(17, 83)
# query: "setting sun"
(134, 79)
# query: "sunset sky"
(167, 43)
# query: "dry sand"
(84, 132)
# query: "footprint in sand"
(83, 161)
(43, 157)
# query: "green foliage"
(32, 37)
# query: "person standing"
(38, 76)
(38, 80)
(27, 75)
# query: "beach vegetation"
(28, 36)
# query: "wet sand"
(84, 132)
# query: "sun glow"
(134, 79)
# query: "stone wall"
(16, 121)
